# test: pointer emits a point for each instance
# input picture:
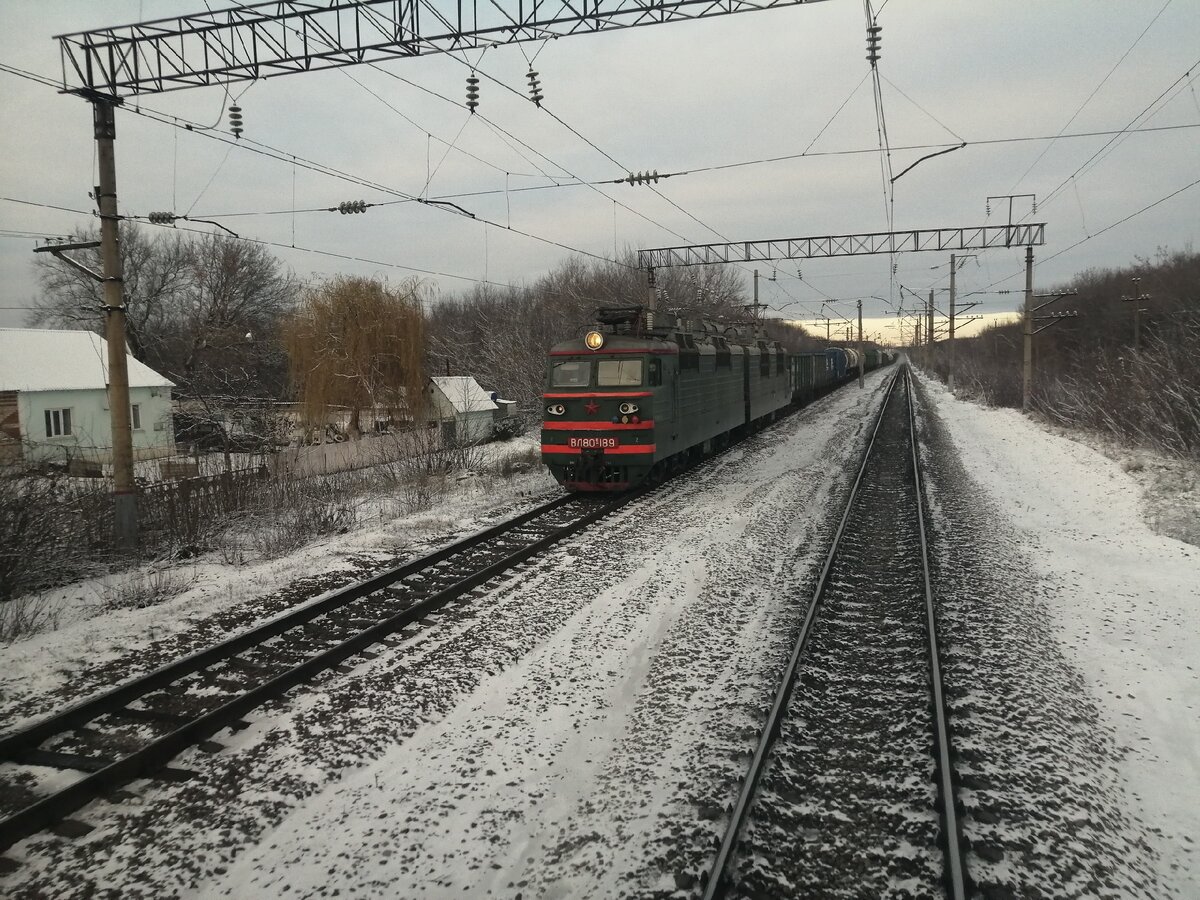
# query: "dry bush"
(1087, 372)
(24, 616)
(1151, 398)
(51, 530)
(290, 512)
(512, 464)
(147, 588)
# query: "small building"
(54, 400)
(464, 410)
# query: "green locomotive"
(627, 402)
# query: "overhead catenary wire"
(474, 68)
(1121, 134)
(1090, 96)
(465, 195)
(332, 172)
(294, 159)
(1123, 131)
(449, 144)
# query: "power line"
(1095, 157)
(282, 156)
(1121, 221)
(475, 68)
(1095, 91)
(82, 212)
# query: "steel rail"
(55, 807)
(718, 881)
(117, 697)
(956, 877)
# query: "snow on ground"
(573, 772)
(574, 730)
(1125, 600)
(577, 728)
(94, 630)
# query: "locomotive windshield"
(573, 373)
(619, 372)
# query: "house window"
(58, 422)
(135, 416)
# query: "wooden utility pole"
(125, 512)
(1027, 378)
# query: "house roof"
(464, 393)
(43, 359)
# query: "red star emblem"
(592, 407)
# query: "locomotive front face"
(598, 421)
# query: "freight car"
(627, 402)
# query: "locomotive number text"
(592, 443)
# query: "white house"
(465, 410)
(54, 399)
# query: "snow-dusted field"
(577, 729)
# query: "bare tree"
(501, 336)
(157, 274)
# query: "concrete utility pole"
(651, 298)
(929, 332)
(125, 512)
(950, 348)
(1136, 300)
(1027, 378)
(861, 351)
(757, 328)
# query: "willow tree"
(357, 344)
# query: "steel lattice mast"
(291, 36)
(981, 237)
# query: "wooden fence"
(180, 511)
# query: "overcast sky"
(680, 97)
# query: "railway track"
(850, 789)
(136, 728)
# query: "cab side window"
(619, 373)
(655, 372)
(572, 373)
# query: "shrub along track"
(849, 792)
(137, 727)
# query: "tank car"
(837, 362)
(628, 402)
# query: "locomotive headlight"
(556, 409)
(628, 409)
(593, 340)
